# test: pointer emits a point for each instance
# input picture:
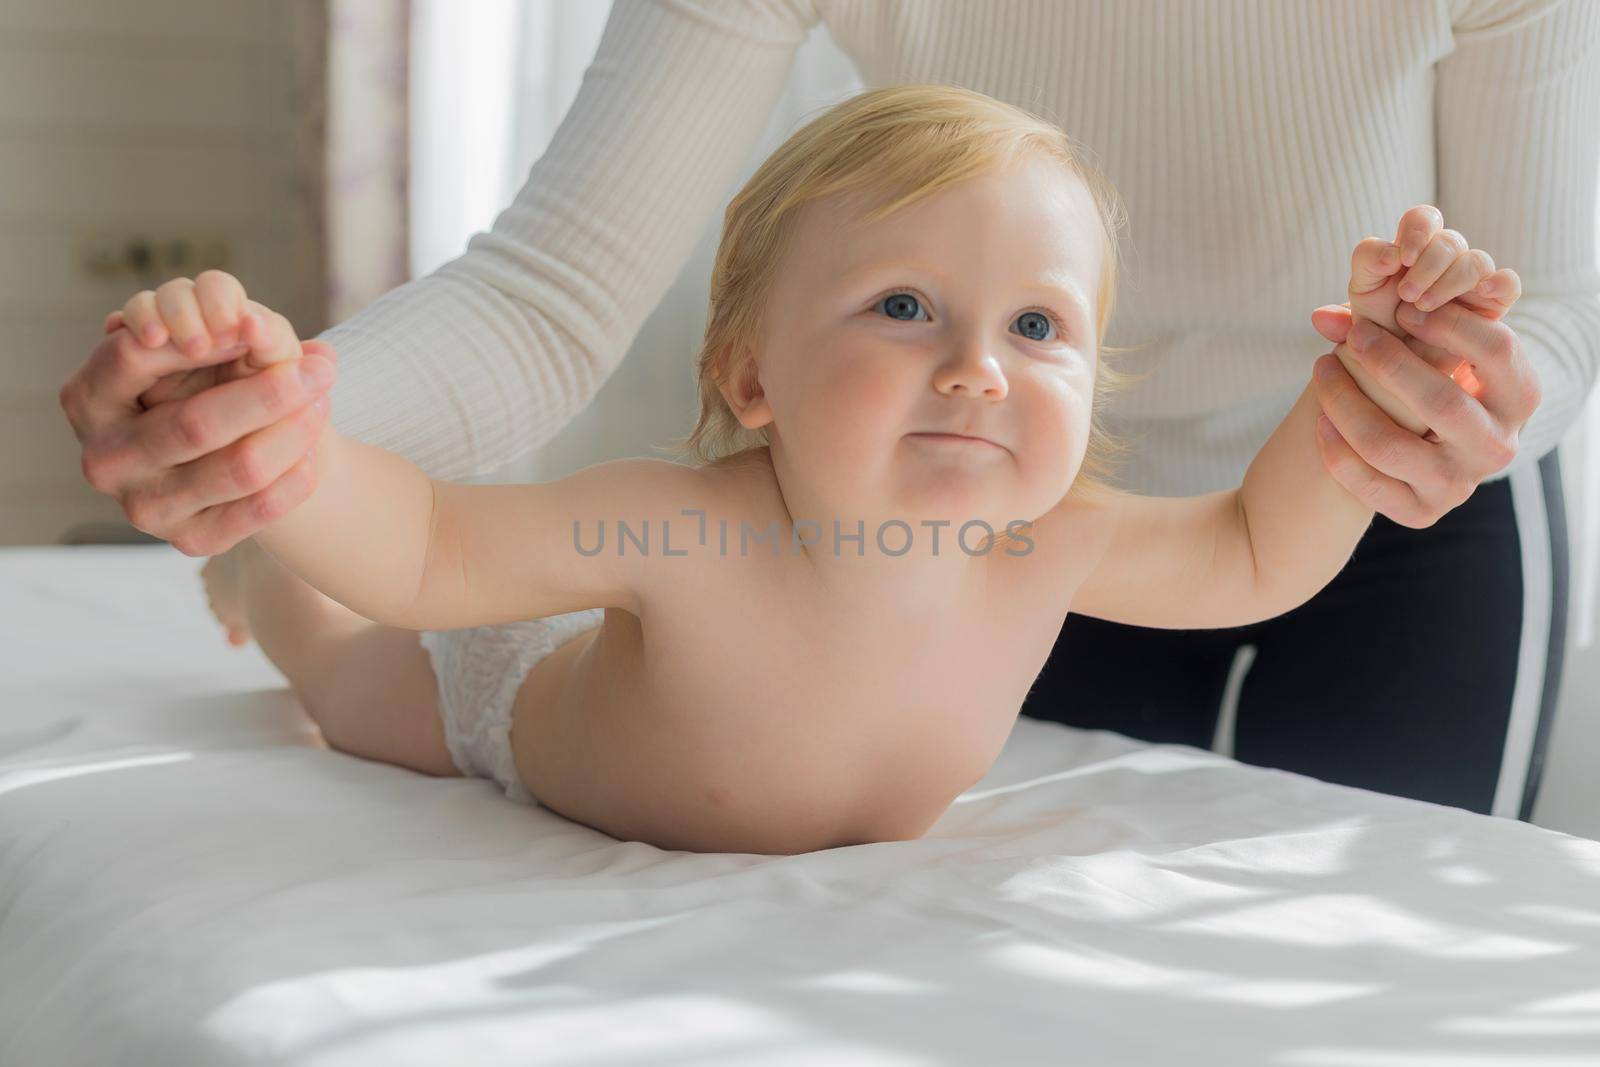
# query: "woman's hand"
(199, 446)
(1415, 480)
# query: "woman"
(1247, 140)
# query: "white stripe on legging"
(1228, 713)
(1533, 531)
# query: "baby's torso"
(742, 706)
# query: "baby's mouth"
(956, 440)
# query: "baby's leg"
(370, 688)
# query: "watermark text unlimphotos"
(893, 537)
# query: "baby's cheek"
(869, 393)
(844, 413)
(1055, 436)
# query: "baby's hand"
(1428, 266)
(207, 313)
(210, 313)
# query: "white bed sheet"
(187, 877)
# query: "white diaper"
(480, 669)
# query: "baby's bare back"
(743, 711)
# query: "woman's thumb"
(1332, 321)
(318, 348)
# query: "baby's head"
(918, 259)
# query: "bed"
(187, 876)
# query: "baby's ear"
(745, 397)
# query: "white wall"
(160, 118)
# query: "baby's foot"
(221, 578)
(1429, 266)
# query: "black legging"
(1399, 676)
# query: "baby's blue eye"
(904, 306)
(1033, 320)
(896, 303)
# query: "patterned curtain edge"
(352, 172)
(309, 21)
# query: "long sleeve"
(1518, 118)
(492, 354)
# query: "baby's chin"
(955, 502)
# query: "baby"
(895, 499)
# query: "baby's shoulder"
(1063, 544)
(702, 521)
(1085, 516)
(692, 507)
(743, 485)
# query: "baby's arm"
(1242, 555)
(502, 552)
(1231, 557)
(381, 537)
(393, 545)
(400, 548)
(388, 542)
(361, 536)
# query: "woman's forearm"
(1303, 524)
(488, 357)
(362, 536)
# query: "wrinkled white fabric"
(479, 670)
(188, 879)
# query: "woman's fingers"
(211, 420)
(1333, 321)
(1462, 276)
(221, 526)
(240, 470)
(177, 386)
(1443, 250)
(1509, 384)
(1393, 497)
(1416, 229)
(315, 347)
(1368, 427)
(106, 389)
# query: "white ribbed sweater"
(1253, 142)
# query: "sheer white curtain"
(491, 81)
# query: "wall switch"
(150, 258)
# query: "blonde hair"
(907, 142)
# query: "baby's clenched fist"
(207, 313)
(1428, 266)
